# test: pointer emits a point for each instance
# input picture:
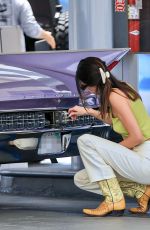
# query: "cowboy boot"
(140, 191)
(142, 202)
(132, 189)
(114, 199)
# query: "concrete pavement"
(45, 198)
(32, 213)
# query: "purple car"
(37, 89)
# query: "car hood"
(45, 79)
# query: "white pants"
(104, 159)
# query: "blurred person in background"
(19, 13)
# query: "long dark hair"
(88, 74)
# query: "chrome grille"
(22, 121)
(61, 118)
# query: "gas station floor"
(18, 212)
(23, 209)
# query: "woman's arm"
(121, 108)
(81, 111)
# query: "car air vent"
(22, 121)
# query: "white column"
(90, 24)
(90, 27)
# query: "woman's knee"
(80, 178)
(83, 139)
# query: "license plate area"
(50, 143)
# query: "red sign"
(134, 35)
(119, 5)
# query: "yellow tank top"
(141, 116)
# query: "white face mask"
(92, 89)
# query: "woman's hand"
(76, 111)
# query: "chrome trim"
(29, 109)
(53, 130)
